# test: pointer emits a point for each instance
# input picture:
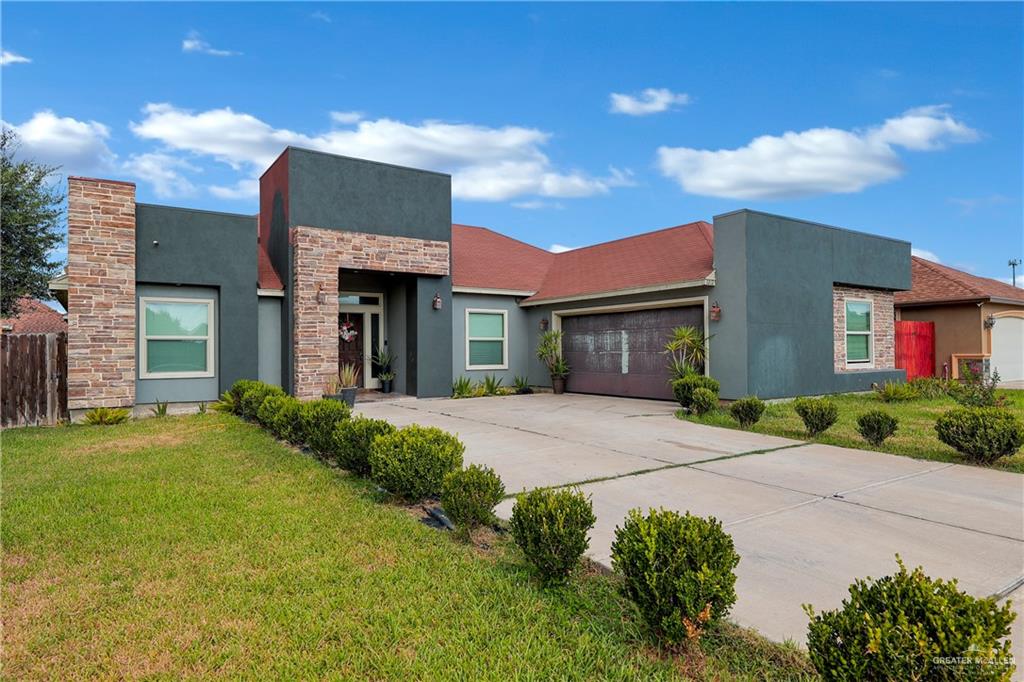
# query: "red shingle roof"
(934, 283)
(34, 317)
(484, 259)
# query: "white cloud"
(815, 161)
(970, 205)
(247, 188)
(346, 117)
(486, 164)
(926, 254)
(76, 146)
(194, 42)
(560, 248)
(649, 101)
(321, 16)
(163, 172)
(537, 204)
(7, 58)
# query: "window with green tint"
(486, 336)
(175, 356)
(858, 332)
(176, 338)
(177, 319)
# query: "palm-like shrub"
(106, 416)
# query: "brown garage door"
(623, 353)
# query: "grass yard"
(199, 546)
(914, 438)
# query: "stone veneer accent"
(317, 256)
(884, 342)
(101, 293)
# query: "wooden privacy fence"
(915, 348)
(34, 381)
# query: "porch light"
(716, 312)
(437, 301)
(990, 321)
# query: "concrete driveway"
(806, 518)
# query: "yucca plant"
(348, 375)
(462, 388)
(491, 384)
(687, 349)
(226, 403)
(522, 385)
(105, 416)
(159, 409)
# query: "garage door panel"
(623, 353)
(1008, 348)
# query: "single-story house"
(34, 317)
(348, 256)
(976, 318)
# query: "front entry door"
(350, 342)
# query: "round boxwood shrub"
(703, 401)
(982, 434)
(747, 411)
(875, 426)
(317, 421)
(684, 387)
(254, 397)
(352, 440)
(818, 414)
(412, 462)
(551, 527)
(909, 626)
(469, 496)
(237, 390)
(268, 409)
(285, 423)
(678, 570)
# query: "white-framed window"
(486, 339)
(176, 338)
(860, 322)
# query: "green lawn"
(915, 437)
(199, 546)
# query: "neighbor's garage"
(1008, 348)
(623, 353)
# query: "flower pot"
(558, 385)
(347, 396)
(385, 385)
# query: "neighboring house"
(975, 318)
(347, 256)
(34, 317)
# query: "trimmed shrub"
(678, 571)
(703, 401)
(909, 626)
(268, 409)
(818, 414)
(747, 411)
(412, 462)
(551, 526)
(317, 421)
(683, 388)
(237, 390)
(352, 441)
(469, 496)
(285, 424)
(981, 434)
(896, 392)
(875, 426)
(254, 397)
(106, 416)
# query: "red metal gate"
(915, 348)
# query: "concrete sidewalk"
(806, 518)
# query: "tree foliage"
(31, 209)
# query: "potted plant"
(549, 351)
(383, 359)
(344, 386)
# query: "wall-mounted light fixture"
(716, 312)
(437, 301)
(321, 294)
(156, 242)
(990, 322)
(544, 324)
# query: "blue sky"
(898, 119)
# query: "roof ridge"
(696, 223)
(952, 274)
(504, 236)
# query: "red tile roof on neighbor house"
(34, 317)
(935, 283)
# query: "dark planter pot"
(347, 396)
(558, 385)
(385, 385)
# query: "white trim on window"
(210, 339)
(504, 338)
(870, 333)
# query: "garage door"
(1008, 348)
(623, 353)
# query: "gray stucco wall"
(206, 249)
(521, 335)
(775, 278)
(148, 391)
(270, 339)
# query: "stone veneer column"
(101, 293)
(317, 256)
(883, 343)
